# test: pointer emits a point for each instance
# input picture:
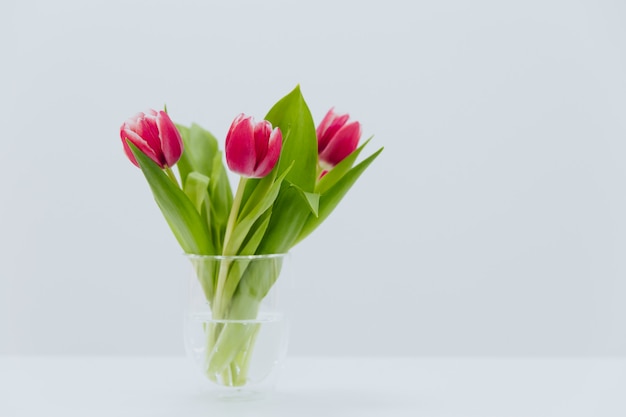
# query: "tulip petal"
(240, 147)
(171, 141)
(331, 124)
(129, 154)
(146, 128)
(344, 142)
(326, 121)
(155, 135)
(262, 132)
(274, 146)
(139, 142)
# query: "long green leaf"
(178, 210)
(292, 207)
(202, 147)
(221, 201)
(243, 225)
(255, 192)
(184, 164)
(333, 196)
(291, 114)
(312, 199)
(195, 187)
(256, 234)
(339, 170)
(282, 234)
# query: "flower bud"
(336, 138)
(155, 135)
(252, 149)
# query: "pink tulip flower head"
(155, 135)
(252, 149)
(336, 138)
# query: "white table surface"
(309, 386)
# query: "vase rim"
(230, 257)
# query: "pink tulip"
(252, 149)
(336, 138)
(155, 135)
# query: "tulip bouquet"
(292, 176)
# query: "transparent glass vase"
(236, 329)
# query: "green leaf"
(243, 225)
(255, 191)
(201, 156)
(184, 163)
(248, 248)
(221, 201)
(312, 200)
(202, 147)
(291, 114)
(178, 210)
(289, 213)
(333, 196)
(339, 170)
(256, 234)
(254, 286)
(199, 148)
(196, 189)
(206, 272)
(290, 209)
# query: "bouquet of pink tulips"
(292, 176)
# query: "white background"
(494, 223)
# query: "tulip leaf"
(202, 147)
(221, 201)
(339, 170)
(179, 211)
(255, 191)
(281, 234)
(290, 209)
(201, 156)
(291, 114)
(243, 226)
(199, 149)
(312, 200)
(256, 234)
(330, 199)
(195, 187)
(254, 286)
(184, 164)
(249, 247)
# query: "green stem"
(220, 303)
(172, 176)
(244, 358)
(232, 218)
(230, 345)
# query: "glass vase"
(236, 329)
